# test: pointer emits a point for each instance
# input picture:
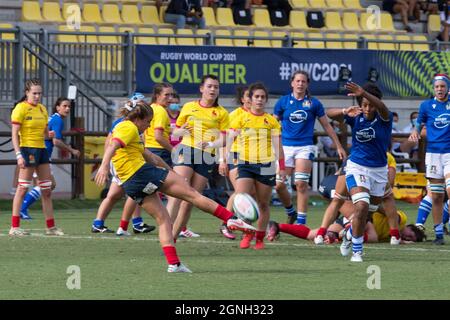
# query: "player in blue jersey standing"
(435, 115)
(366, 171)
(297, 112)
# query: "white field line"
(155, 239)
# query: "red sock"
(222, 213)
(297, 230)
(171, 255)
(50, 223)
(124, 224)
(366, 236)
(394, 233)
(260, 235)
(15, 221)
(183, 229)
(322, 232)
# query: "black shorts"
(233, 160)
(34, 156)
(201, 162)
(261, 172)
(145, 182)
(163, 154)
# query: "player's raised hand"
(355, 89)
(353, 111)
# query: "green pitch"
(40, 267)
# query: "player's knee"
(301, 186)
(301, 177)
(46, 188)
(23, 185)
(280, 186)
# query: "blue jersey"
(370, 140)
(297, 119)
(115, 123)
(56, 124)
(435, 115)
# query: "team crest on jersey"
(306, 104)
(362, 178)
(442, 121)
(29, 118)
(266, 121)
(365, 135)
(447, 106)
(433, 170)
(298, 116)
(214, 113)
(433, 105)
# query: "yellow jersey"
(234, 114)
(255, 136)
(33, 121)
(380, 222)
(160, 121)
(206, 123)
(391, 160)
(128, 159)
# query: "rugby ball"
(245, 207)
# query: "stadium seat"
(277, 43)
(335, 4)
(333, 21)
(317, 4)
(315, 44)
(87, 38)
(130, 14)
(434, 23)
(350, 21)
(111, 13)
(261, 43)
(66, 37)
(91, 13)
(150, 16)
(146, 40)
(202, 41)
(162, 12)
(127, 29)
(301, 4)
(167, 39)
(404, 46)
(111, 39)
(387, 23)
(368, 22)
(225, 42)
(185, 41)
(29, 61)
(210, 18)
(297, 20)
(352, 4)
(108, 58)
(420, 46)
(4, 35)
(261, 18)
(241, 42)
(31, 11)
(69, 9)
(352, 44)
(371, 45)
(51, 11)
(298, 43)
(333, 44)
(386, 46)
(225, 17)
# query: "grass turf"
(35, 267)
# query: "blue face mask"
(174, 107)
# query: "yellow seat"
(317, 4)
(333, 21)
(315, 44)
(202, 41)
(149, 15)
(30, 61)
(387, 23)
(111, 13)
(66, 37)
(297, 20)
(352, 4)
(350, 44)
(108, 58)
(404, 46)
(350, 21)
(333, 44)
(185, 41)
(91, 13)
(111, 39)
(369, 22)
(386, 46)
(167, 39)
(434, 23)
(146, 40)
(261, 42)
(225, 42)
(277, 43)
(261, 18)
(51, 11)
(87, 38)
(335, 4)
(31, 11)
(420, 46)
(298, 43)
(6, 36)
(300, 4)
(126, 29)
(210, 17)
(371, 45)
(225, 17)
(71, 10)
(241, 42)
(130, 14)
(162, 13)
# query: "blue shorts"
(145, 182)
(201, 162)
(233, 160)
(261, 172)
(34, 156)
(163, 154)
(327, 185)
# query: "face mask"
(394, 125)
(174, 107)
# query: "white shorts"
(115, 178)
(437, 165)
(35, 176)
(373, 179)
(292, 153)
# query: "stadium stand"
(51, 11)
(130, 14)
(31, 11)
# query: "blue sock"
(439, 231)
(445, 214)
(290, 211)
(301, 218)
(137, 221)
(30, 198)
(424, 210)
(357, 244)
(98, 223)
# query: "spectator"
(396, 141)
(241, 12)
(279, 11)
(430, 6)
(407, 146)
(329, 147)
(406, 8)
(216, 3)
(180, 12)
(445, 22)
